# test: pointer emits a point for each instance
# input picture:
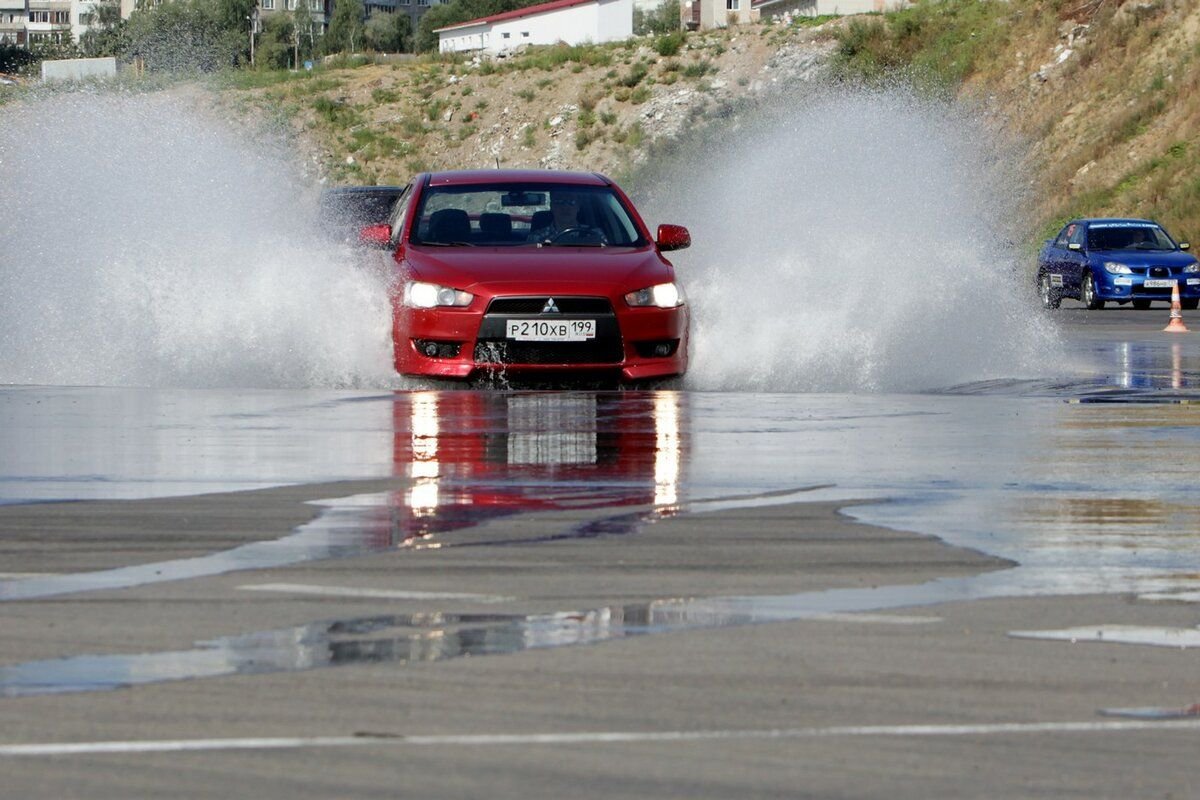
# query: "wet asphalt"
(646, 596)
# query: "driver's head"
(565, 207)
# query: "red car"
(531, 273)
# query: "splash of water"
(145, 243)
(854, 241)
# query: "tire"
(1190, 303)
(1049, 296)
(1141, 305)
(1087, 293)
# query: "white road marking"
(601, 737)
(1177, 597)
(20, 576)
(1119, 634)
(374, 594)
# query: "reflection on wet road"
(1086, 480)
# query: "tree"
(106, 36)
(388, 33)
(345, 27)
(663, 19)
(304, 32)
(275, 43)
(186, 36)
(14, 58)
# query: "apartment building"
(13, 18)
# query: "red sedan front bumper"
(635, 343)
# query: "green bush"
(669, 44)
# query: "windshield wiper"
(446, 244)
(549, 243)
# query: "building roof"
(528, 11)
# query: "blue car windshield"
(1128, 237)
(515, 215)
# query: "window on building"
(524, 34)
(268, 5)
(60, 17)
(732, 5)
(505, 35)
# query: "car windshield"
(1124, 236)
(531, 215)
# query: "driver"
(564, 214)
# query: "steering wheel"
(579, 232)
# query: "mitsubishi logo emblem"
(550, 308)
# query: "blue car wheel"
(1087, 293)
(1048, 294)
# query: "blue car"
(1116, 260)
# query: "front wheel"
(1087, 293)
(1047, 293)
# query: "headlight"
(664, 295)
(430, 295)
(1192, 268)
(1117, 269)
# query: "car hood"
(508, 270)
(1145, 258)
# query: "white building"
(567, 21)
(821, 8)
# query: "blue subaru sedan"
(1116, 260)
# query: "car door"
(1075, 260)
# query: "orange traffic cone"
(1176, 324)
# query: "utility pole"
(253, 25)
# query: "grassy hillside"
(1104, 92)
(589, 107)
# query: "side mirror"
(1185, 246)
(376, 236)
(1076, 246)
(673, 237)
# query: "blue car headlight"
(1192, 268)
(1113, 268)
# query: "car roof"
(1134, 220)
(473, 176)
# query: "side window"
(1064, 236)
(399, 212)
(1077, 236)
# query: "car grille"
(1160, 272)
(534, 305)
(598, 351)
(492, 346)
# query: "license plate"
(558, 330)
(1158, 283)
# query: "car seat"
(449, 225)
(541, 220)
(495, 227)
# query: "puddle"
(1084, 497)
(1151, 712)
(1179, 638)
(414, 638)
